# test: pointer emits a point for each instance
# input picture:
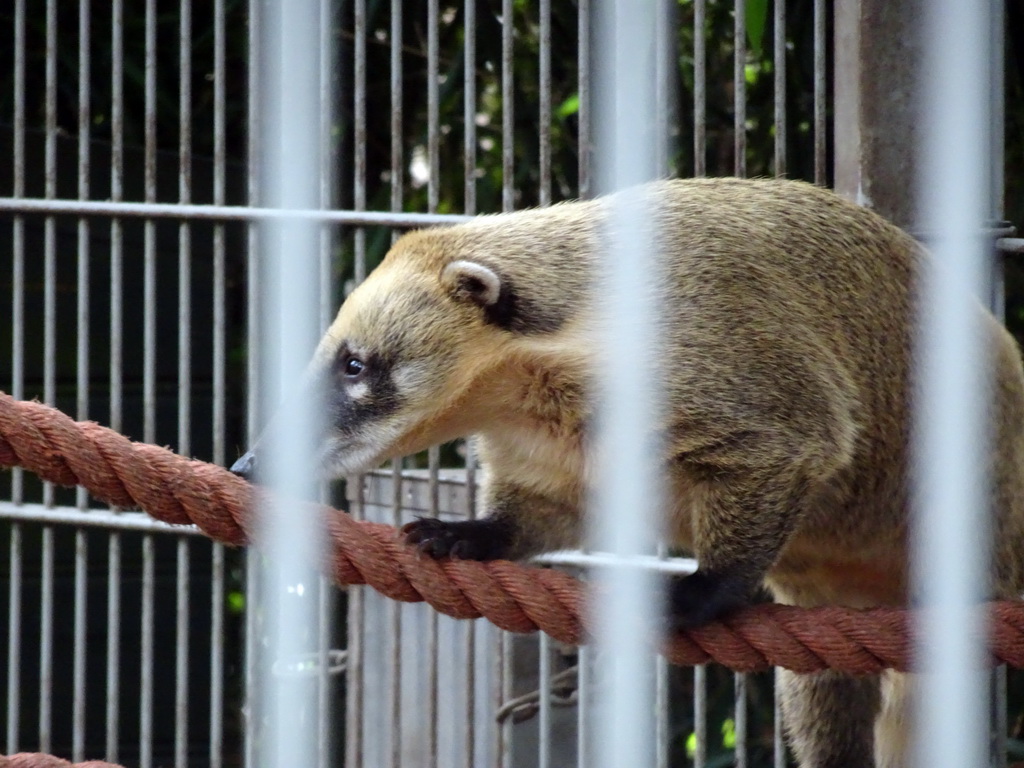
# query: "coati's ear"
(474, 282)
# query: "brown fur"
(785, 364)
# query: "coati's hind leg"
(742, 517)
(519, 524)
(830, 718)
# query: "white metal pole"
(951, 531)
(627, 504)
(290, 174)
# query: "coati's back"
(785, 307)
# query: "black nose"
(245, 466)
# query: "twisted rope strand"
(39, 760)
(514, 597)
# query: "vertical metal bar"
(700, 716)
(253, 306)
(354, 699)
(113, 709)
(395, 691)
(471, 720)
(584, 716)
(116, 232)
(586, 110)
(290, 68)
(503, 685)
(325, 606)
(219, 320)
(181, 665)
(433, 646)
(146, 661)
(433, 198)
(664, 66)
(217, 658)
(82, 380)
(116, 369)
(820, 139)
(148, 385)
(254, 361)
(662, 729)
(250, 709)
(739, 86)
(999, 717)
(779, 65)
(508, 148)
(46, 644)
(50, 242)
(544, 194)
(397, 191)
(326, 594)
(740, 719)
(184, 229)
(78, 671)
(700, 86)
(84, 137)
(149, 242)
(469, 104)
(433, 105)
(18, 235)
(14, 643)
(49, 378)
(951, 492)
(359, 135)
(184, 370)
(17, 384)
(217, 586)
(354, 691)
(397, 172)
(628, 403)
(544, 702)
(778, 740)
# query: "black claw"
(701, 597)
(466, 540)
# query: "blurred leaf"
(236, 602)
(757, 16)
(728, 733)
(570, 106)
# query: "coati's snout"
(245, 467)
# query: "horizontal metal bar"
(1010, 244)
(597, 559)
(97, 518)
(221, 212)
(140, 521)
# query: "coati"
(785, 359)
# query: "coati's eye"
(354, 367)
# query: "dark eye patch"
(381, 396)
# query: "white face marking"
(410, 377)
(359, 392)
(348, 455)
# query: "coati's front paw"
(467, 540)
(702, 597)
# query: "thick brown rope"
(39, 760)
(514, 597)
